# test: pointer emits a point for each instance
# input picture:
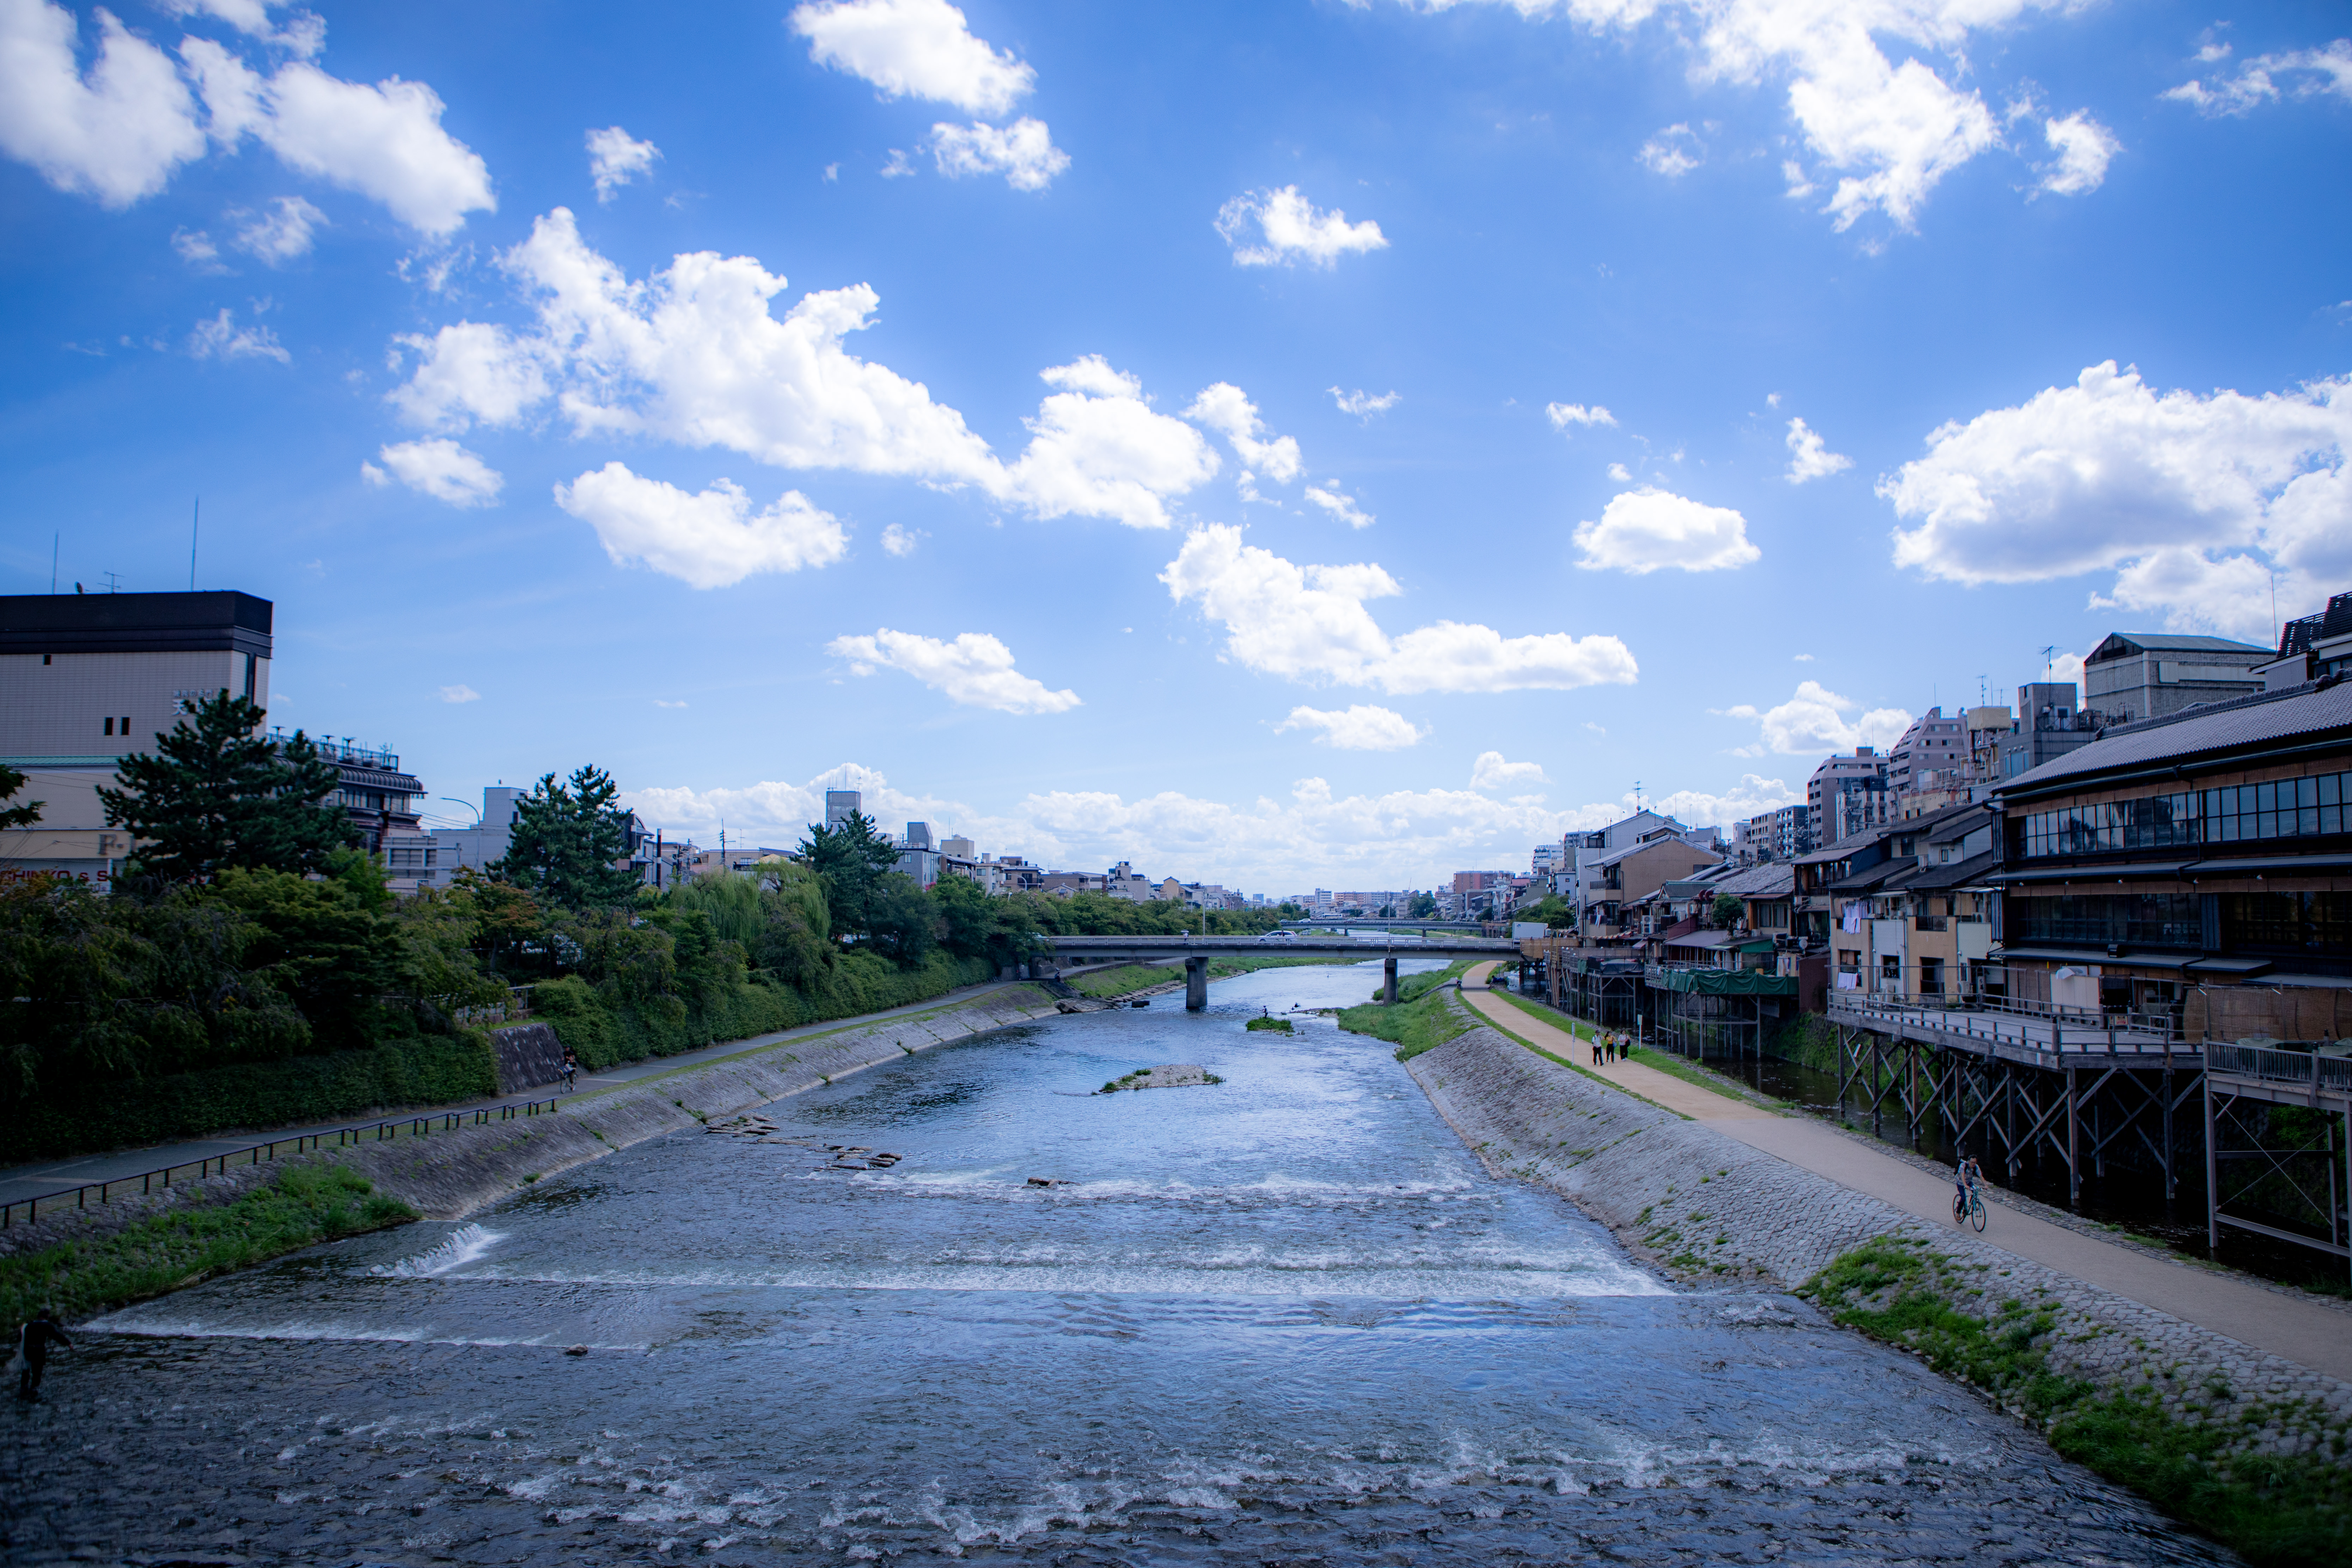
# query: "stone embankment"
(448, 1174)
(1707, 1209)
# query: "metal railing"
(2322, 1074)
(299, 1144)
(2114, 1034)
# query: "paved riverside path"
(44, 1177)
(2305, 1333)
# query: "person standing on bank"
(33, 1352)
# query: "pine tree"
(566, 838)
(851, 860)
(23, 815)
(216, 794)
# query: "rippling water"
(1286, 1318)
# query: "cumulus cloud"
(1815, 721)
(1290, 229)
(461, 694)
(1023, 152)
(221, 338)
(2084, 149)
(710, 540)
(385, 142)
(899, 542)
(693, 355)
(1309, 623)
(615, 158)
(1490, 772)
(2265, 79)
(303, 33)
(1647, 530)
(1358, 728)
(1226, 409)
(440, 469)
(282, 233)
(1563, 414)
(975, 669)
(1674, 151)
(1752, 796)
(1341, 505)
(2107, 474)
(1362, 404)
(1810, 456)
(115, 133)
(914, 49)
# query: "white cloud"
(2308, 72)
(1292, 228)
(1362, 404)
(975, 669)
(1309, 623)
(615, 158)
(2167, 489)
(1647, 530)
(197, 250)
(282, 233)
(2229, 596)
(304, 34)
(1810, 456)
(221, 338)
(1490, 772)
(384, 142)
(919, 49)
(900, 541)
(461, 694)
(1226, 409)
(1096, 449)
(1340, 504)
(713, 540)
(1023, 152)
(665, 703)
(1621, 473)
(898, 166)
(440, 469)
(1752, 797)
(1563, 414)
(116, 133)
(2084, 149)
(1815, 722)
(1674, 151)
(1359, 728)
(470, 373)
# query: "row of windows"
(2308, 922)
(372, 800)
(2286, 808)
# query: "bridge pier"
(1388, 980)
(1196, 984)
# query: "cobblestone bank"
(447, 1175)
(1705, 1209)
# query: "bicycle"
(1968, 1207)
(571, 1073)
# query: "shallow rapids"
(1284, 1318)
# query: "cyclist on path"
(1966, 1176)
(33, 1352)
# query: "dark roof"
(1864, 880)
(1771, 879)
(1961, 822)
(2123, 644)
(1957, 874)
(134, 623)
(2309, 711)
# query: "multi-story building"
(2140, 675)
(89, 679)
(1609, 885)
(963, 848)
(840, 806)
(1933, 743)
(2199, 863)
(1848, 796)
(1779, 834)
(382, 801)
(2313, 646)
(917, 857)
(2050, 723)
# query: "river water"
(1284, 1318)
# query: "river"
(1285, 1318)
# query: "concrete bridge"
(1197, 951)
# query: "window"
(2284, 808)
(2288, 923)
(110, 726)
(2150, 920)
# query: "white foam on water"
(454, 1251)
(354, 1333)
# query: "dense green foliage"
(1423, 1017)
(306, 1204)
(2272, 1508)
(566, 839)
(218, 794)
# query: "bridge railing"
(2328, 1075)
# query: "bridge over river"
(1195, 951)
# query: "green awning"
(1726, 982)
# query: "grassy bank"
(2287, 1509)
(306, 1204)
(1666, 1062)
(1420, 1021)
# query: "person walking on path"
(570, 1071)
(1599, 1045)
(33, 1353)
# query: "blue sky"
(1281, 445)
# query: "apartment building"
(1610, 886)
(2137, 676)
(1933, 744)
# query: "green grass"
(1666, 1062)
(2276, 1511)
(164, 1252)
(1577, 1068)
(1275, 1026)
(1127, 977)
(1412, 1027)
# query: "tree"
(1423, 907)
(1726, 911)
(23, 815)
(565, 840)
(217, 794)
(850, 860)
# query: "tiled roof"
(2310, 710)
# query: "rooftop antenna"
(113, 584)
(2274, 620)
(195, 520)
(2049, 660)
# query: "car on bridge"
(1277, 936)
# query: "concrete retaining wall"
(528, 1054)
(1705, 1207)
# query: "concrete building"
(481, 845)
(1780, 835)
(917, 856)
(2050, 723)
(88, 679)
(840, 806)
(1847, 795)
(1933, 743)
(2142, 675)
(960, 847)
(1611, 884)
(2312, 646)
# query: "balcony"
(1931, 923)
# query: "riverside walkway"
(43, 1177)
(2307, 1332)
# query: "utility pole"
(195, 521)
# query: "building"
(1847, 795)
(840, 806)
(2048, 724)
(89, 679)
(2140, 675)
(1611, 885)
(1933, 744)
(1780, 835)
(2198, 865)
(963, 848)
(2313, 646)
(917, 856)
(382, 801)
